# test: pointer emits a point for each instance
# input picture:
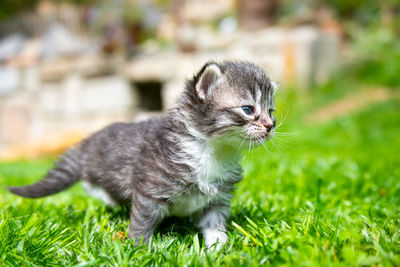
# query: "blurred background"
(68, 68)
(325, 190)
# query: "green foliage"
(360, 12)
(9, 8)
(374, 62)
(377, 56)
(364, 11)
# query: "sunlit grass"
(327, 195)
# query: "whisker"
(266, 149)
(248, 151)
(282, 121)
(245, 138)
(280, 133)
(285, 143)
(275, 145)
(285, 140)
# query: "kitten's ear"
(208, 79)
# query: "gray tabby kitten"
(183, 163)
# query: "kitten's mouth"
(261, 138)
(258, 138)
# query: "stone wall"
(63, 111)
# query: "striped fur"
(182, 163)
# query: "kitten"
(182, 163)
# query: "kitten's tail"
(63, 175)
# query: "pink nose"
(268, 124)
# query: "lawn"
(324, 194)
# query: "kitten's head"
(231, 98)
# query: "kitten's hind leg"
(98, 192)
(146, 214)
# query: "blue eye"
(247, 110)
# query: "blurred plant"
(376, 56)
(363, 11)
(141, 18)
(374, 62)
(9, 8)
(131, 12)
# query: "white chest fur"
(188, 203)
(212, 166)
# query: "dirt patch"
(350, 104)
(52, 144)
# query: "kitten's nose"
(267, 123)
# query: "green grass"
(327, 195)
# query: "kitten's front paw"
(215, 236)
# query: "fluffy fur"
(183, 163)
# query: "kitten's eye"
(248, 110)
